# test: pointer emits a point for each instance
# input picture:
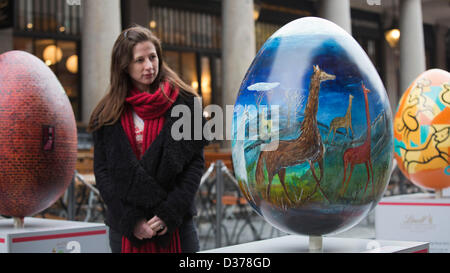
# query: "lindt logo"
(410, 219)
(416, 223)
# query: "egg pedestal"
(312, 131)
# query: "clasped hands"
(147, 229)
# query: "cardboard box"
(415, 217)
(53, 236)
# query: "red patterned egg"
(38, 141)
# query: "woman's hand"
(142, 230)
(157, 225)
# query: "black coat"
(163, 183)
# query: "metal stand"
(219, 207)
(315, 244)
(18, 222)
(438, 194)
(70, 200)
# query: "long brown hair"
(112, 105)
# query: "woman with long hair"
(147, 179)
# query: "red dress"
(142, 123)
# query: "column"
(101, 26)
(391, 75)
(238, 48)
(391, 63)
(338, 12)
(441, 51)
(412, 45)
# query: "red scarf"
(151, 108)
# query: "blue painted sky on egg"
(289, 61)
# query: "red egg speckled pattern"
(38, 136)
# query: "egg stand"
(42, 235)
(18, 222)
(315, 244)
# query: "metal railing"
(224, 214)
(82, 204)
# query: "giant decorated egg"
(38, 143)
(422, 129)
(312, 137)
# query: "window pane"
(24, 44)
(186, 28)
(262, 32)
(217, 81)
(172, 60)
(50, 16)
(67, 68)
(189, 69)
(47, 51)
(206, 81)
(61, 57)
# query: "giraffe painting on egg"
(327, 162)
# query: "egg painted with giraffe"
(312, 134)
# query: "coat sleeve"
(180, 199)
(102, 180)
(126, 213)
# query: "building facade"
(194, 38)
(50, 30)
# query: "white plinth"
(415, 217)
(300, 244)
(57, 236)
(446, 192)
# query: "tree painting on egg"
(312, 130)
